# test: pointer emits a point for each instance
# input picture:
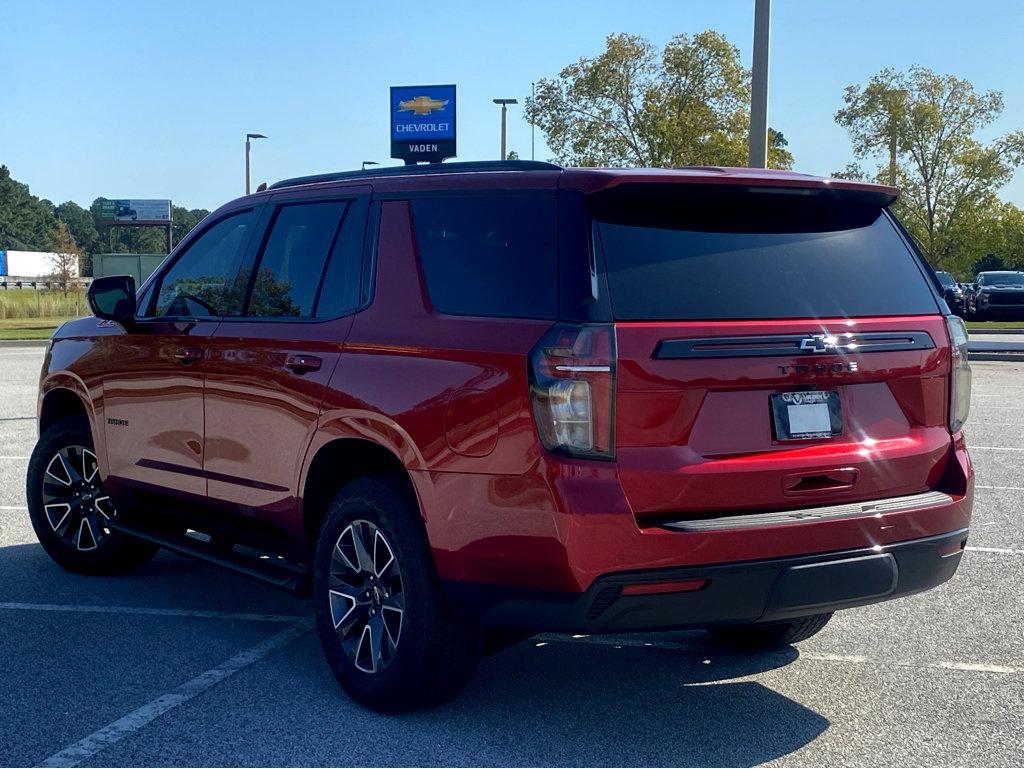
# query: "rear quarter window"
(488, 256)
(756, 256)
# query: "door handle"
(187, 355)
(302, 364)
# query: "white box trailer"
(20, 265)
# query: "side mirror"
(113, 298)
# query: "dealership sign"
(423, 122)
(135, 211)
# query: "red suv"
(465, 403)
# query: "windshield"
(945, 278)
(1001, 279)
(747, 256)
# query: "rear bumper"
(567, 524)
(699, 596)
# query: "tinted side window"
(340, 292)
(292, 263)
(198, 283)
(488, 256)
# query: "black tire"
(435, 654)
(77, 542)
(770, 635)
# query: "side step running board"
(847, 510)
(295, 578)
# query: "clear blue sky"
(152, 99)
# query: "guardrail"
(42, 284)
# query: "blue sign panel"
(423, 122)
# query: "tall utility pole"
(758, 153)
(533, 128)
(504, 110)
(248, 148)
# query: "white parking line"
(13, 457)
(993, 448)
(970, 667)
(194, 613)
(1000, 488)
(125, 726)
(995, 550)
(12, 507)
(856, 659)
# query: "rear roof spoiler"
(595, 181)
(874, 195)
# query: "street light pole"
(758, 152)
(533, 127)
(504, 109)
(248, 149)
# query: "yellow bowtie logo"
(422, 105)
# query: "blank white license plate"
(806, 414)
(809, 418)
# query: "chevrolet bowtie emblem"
(422, 105)
(819, 343)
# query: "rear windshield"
(720, 255)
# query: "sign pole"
(533, 128)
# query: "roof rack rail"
(427, 168)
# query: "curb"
(995, 331)
(996, 351)
(1002, 357)
(24, 342)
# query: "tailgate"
(695, 428)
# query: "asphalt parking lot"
(182, 664)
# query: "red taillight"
(572, 383)
(960, 379)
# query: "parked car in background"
(951, 292)
(996, 295)
(470, 402)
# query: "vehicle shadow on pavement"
(551, 702)
(639, 706)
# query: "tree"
(82, 227)
(630, 106)
(999, 231)
(184, 220)
(987, 263)
(66, 257)
(26, 222)
(512, 155)
(925, 124)
(875, 117)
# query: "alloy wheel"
(366, 594)
(75, 504)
